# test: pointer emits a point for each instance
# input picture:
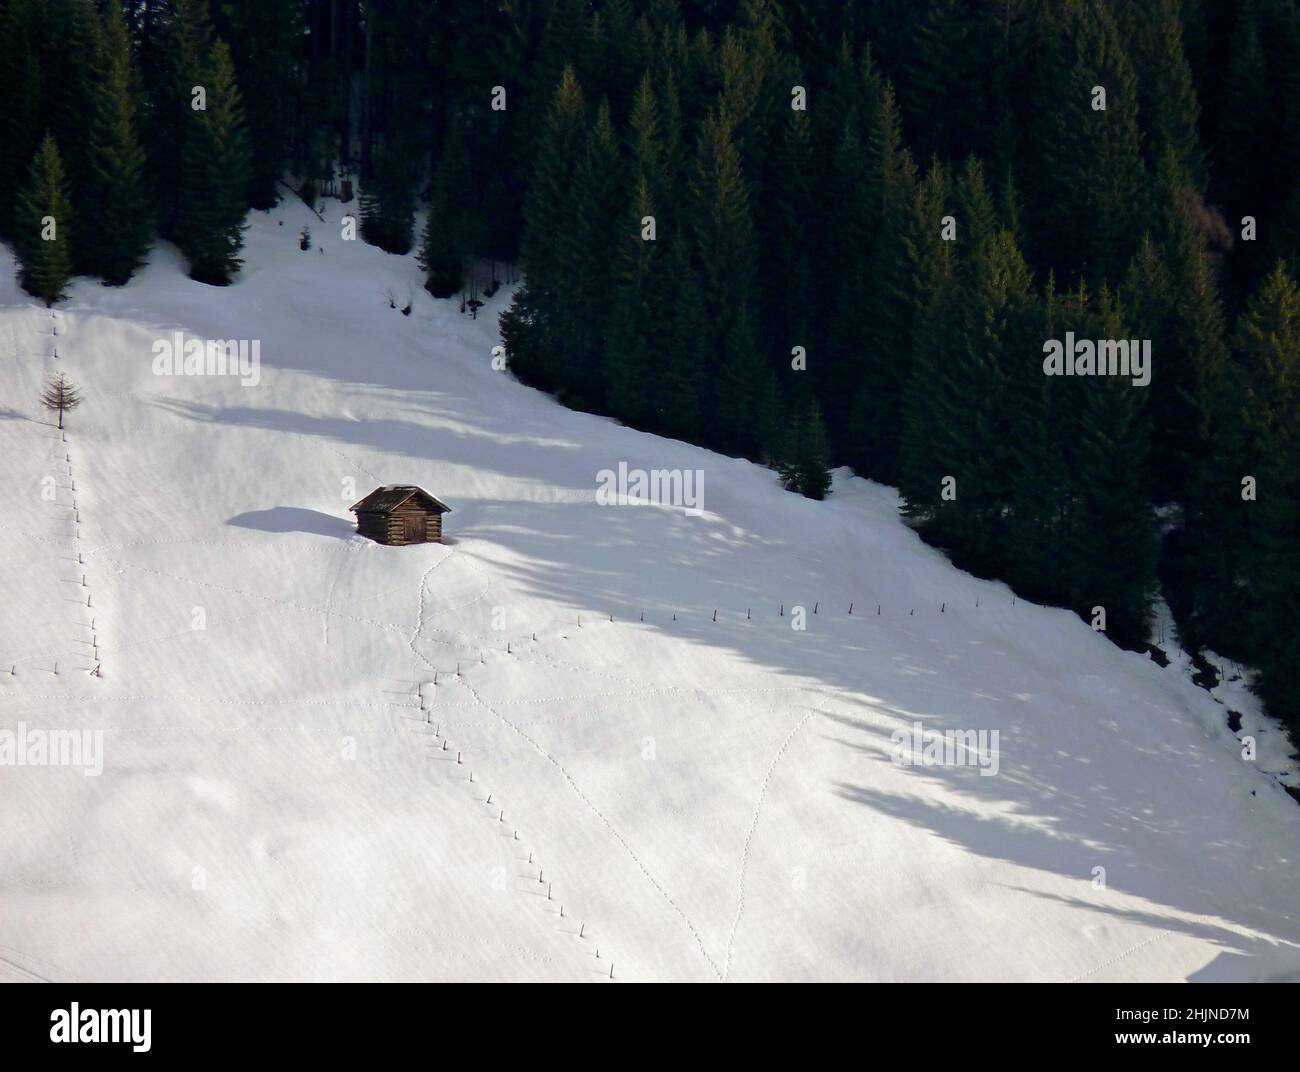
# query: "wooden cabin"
(398, 514)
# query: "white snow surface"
(706, 800)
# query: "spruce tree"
(214, 186)
(69, 43)
(115, 237)
(20, 119)
(448, 229)
(1036, 473)
(1148, 296)
(1083, 173)
(1108, 540)
(537, 326)
(786, 258)
(591, 245)
(645, 142)
(803, 467)
(1243, 114)
(43, 225)
(629, 382)
(265, 38)
(746, 404)
(176, 65)
(843, 253)
(725, 251)
(1111, 546)
(1268, 349)
(681, 346)
(1167, 103)
(887, 298)
(388, 199)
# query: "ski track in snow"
(1120, 956)
(618, 836)
(344, 559)
(420, 620)
(30, 976)
(56, 973)
(749, 835)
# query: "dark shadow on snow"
(294, 519)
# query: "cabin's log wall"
(390, 528)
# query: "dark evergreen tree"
(388, 200)
(214, 186)
(1243, 116)
(1267, 522)
(265, 38)
(724, 244)
(635, 334)
(803, 467)
(178, 49)
(1167, 104)
(115, 237)
(20, 119)
(598, 204)
(43, 225)
(681, 346)
(449, 227)
(1082, 167)
(1108, 536)
(69, 43)
(537, 326)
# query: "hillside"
(707, 800)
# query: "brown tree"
(61, 396)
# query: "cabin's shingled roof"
(391, 496)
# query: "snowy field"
(701, 800)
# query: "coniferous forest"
(812, 233)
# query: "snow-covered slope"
(705, 799)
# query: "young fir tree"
(887, 301)
(1243, 115)
(446, 240)
(537, 326)
(1112, 546)
(598, 230)
(175, 70)
(645, 142)
(746, 402)
(958, 407)
(944, 310)
(388, 200)
(1083, 172)
(43, 224)
(725, 251)
(214, 186)
(674, 142)
(1035, 470)
(1268, 349)
(804, 461)
(1148, 296)
(785, 264)
(115, 237)
(1167, 101)
(681, 352)
(20, 119)
(1109, 543)
(69, 42)
(843, 250)
(1199, 573)
(635, 338)
(266, 44)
